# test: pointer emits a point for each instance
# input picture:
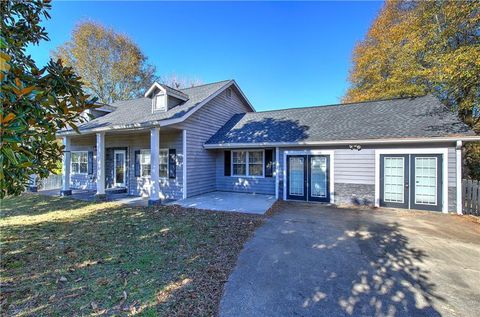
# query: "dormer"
(164, 97)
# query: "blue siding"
(169, 188)
(264, 185)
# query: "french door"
(411, 181)
(308, 177)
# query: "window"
(160, 102)
(248, 163)
(163, 161)
(79, 162)
(144, 163)
(239, 161)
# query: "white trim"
(124, 168)
(340, 142)
(331, 153)
(415, 181)
(100, 163)
(66, 164)
(71, 162)
(408, 151)
(154, 163)
(184, 158)
(140, 163)
(458, 162)
(196, 108)
(152, 88)
(168, 163)
(277, 171)
(247, 163)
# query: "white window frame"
(159, 162)
(79, 163)
(247, 163)
(143, 152)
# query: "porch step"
(116, 190)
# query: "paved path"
(313, 260)
(229, 201)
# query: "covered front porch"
(148, 163)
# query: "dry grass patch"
(65, 257)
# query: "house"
(176, 143)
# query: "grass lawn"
(63, 257)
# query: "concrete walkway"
(313, 260)
(228, 201)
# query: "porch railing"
(51, 182)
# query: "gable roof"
(420, 117)
(169, 90)
(137, 113)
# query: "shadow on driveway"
(313, 260)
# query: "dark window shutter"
(90, 162)
(137, 163)
(172, 163)
(228, 160)
(269, 163)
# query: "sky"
(282, 54)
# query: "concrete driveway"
(314, 260)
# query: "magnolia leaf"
(10, 154)
(27, 90)
(9, 117)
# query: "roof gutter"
(341, 142)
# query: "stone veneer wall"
(354, 194)
(452, 199)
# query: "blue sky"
(282, 54)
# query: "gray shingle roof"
(418, 117)
(139, 111)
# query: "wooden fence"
(471, 197)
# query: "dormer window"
(160, 102)
(164, 97)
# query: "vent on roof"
(229, 92)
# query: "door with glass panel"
(411, 181)
(119, 170)
(394, 180)
(426, 179)
(297, 177)
(318, 178)
(308, 177)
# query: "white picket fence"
(51, 182)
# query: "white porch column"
(277, 171)
(154, 166)
(458, 160)
(100, 165)
(66, 168)
(184, 161)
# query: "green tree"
(111, 65)
(419, 47)
(35, 103)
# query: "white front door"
(119, 170)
